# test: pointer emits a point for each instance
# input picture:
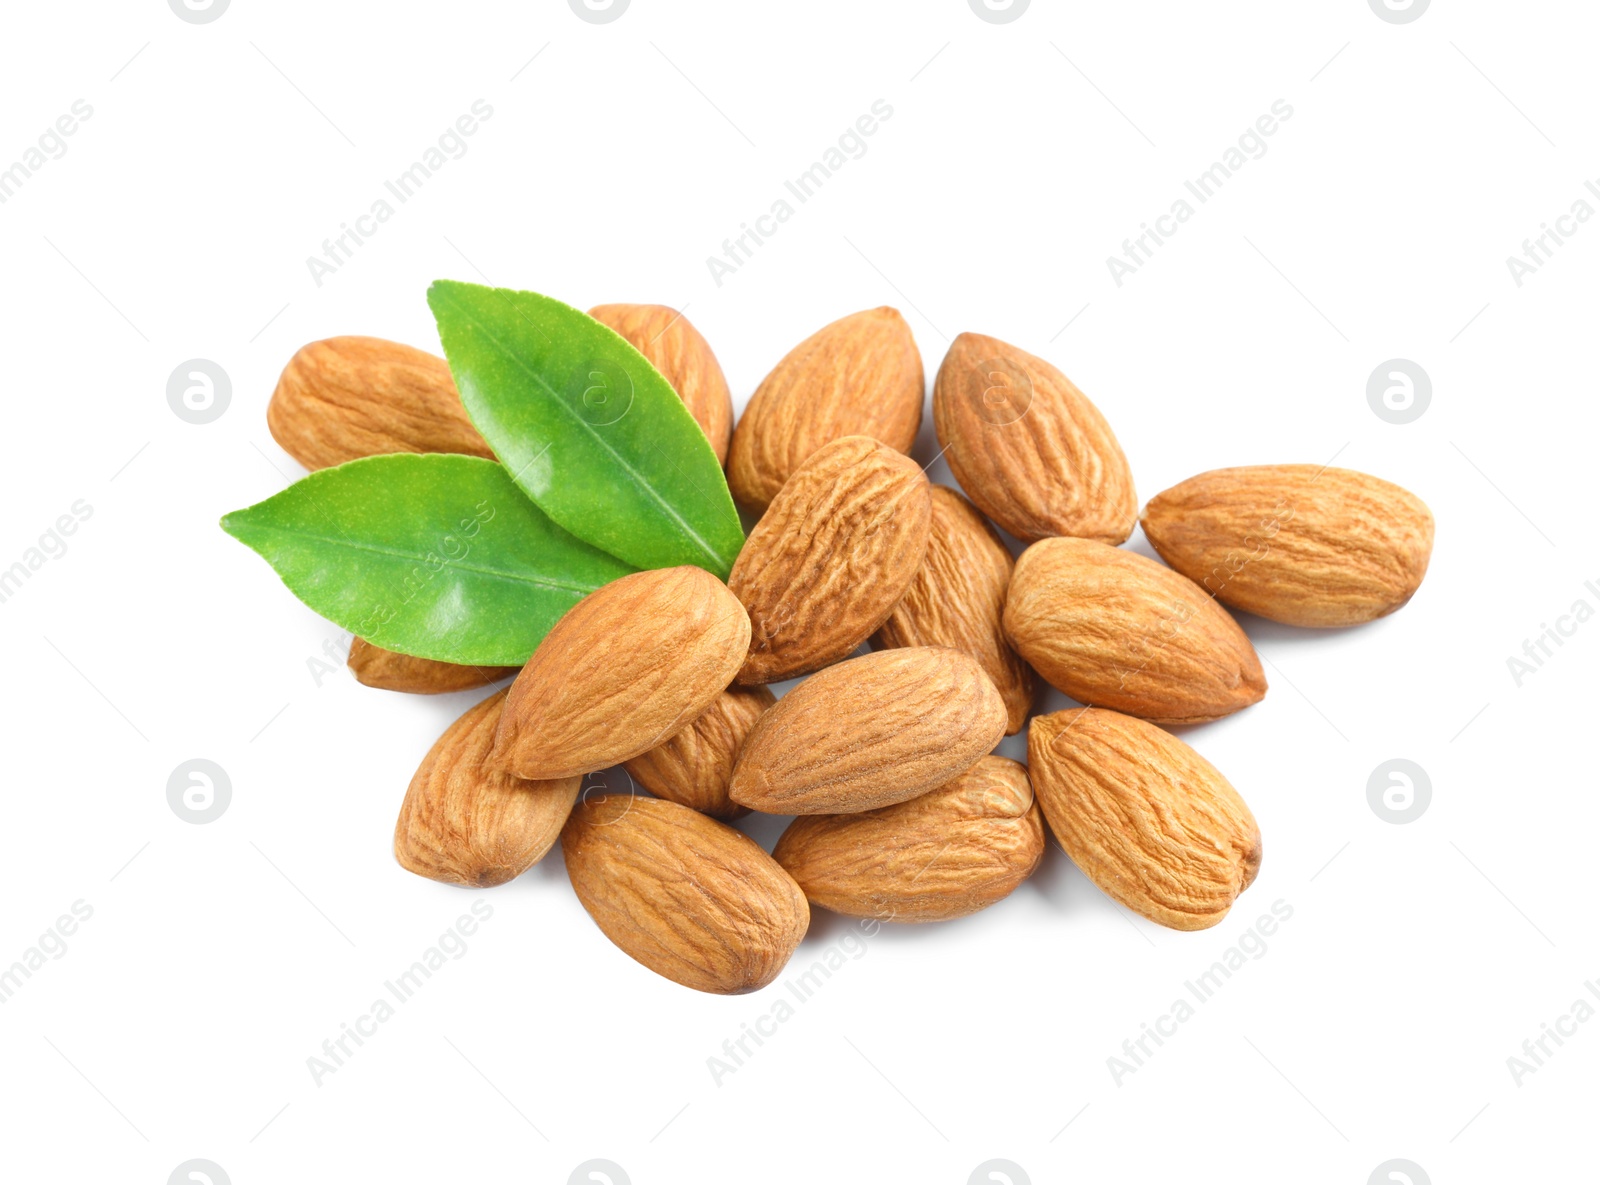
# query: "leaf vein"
(638, 477)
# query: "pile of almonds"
(902, 812)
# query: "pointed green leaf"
(433, 555)
(587, 427)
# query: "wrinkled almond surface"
(392, 671)
(859, 376)
(1301, 544)
(1146, 818)
(626, 668)
(1116, 630)
(834, 553)
(469, 823)
(1028, 447)
(690, 898)
(350, 397)
(676, 349)
(957, 597)
(944, 854)
(695, 767)
(870, 732)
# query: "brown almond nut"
(859, 376)
(870, 732)
(349, 397)
(690, 898)
(467, 822)
(1028, 447)
(624, 669)
(957, 597)
(826, 564)
(392, 671)
(1146, 818)
(695, 767)
(1116, 630)
(1301, 544)
(675, 348)
(945, 854)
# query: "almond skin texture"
(860, 376)
(626, 668)
(1028, 447)
(350, 397)
(695, 767)
(690, 898)
(827, 563)
(392, 671)
(956, 600)
(1301, 544)
(1115, 630)
(948, 853)
(1146, 818)
(870, 732)
(676, 349)
(468, 823)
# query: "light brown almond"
(1301, 544)
(859, 376)
(695, 767)
(626, 668)
(957, 597)
(690, 898)
(349, 397)
(467, 822)
(393, 671)
(1028, 447)
(1116, 630)
(870, 732)
(681, 354)
(945, 854)
(1146, 818)
(827, 563)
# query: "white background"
(1019, 156)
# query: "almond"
(1028, 447)
(350, 397)
(627, 667)
(957, 597)
(676, 349)
(1146, 818)
(392, 671)
(690, 898)
(1301, 544)
(468, 823)
(870, 732)
(860, 376)
(1116, 630)
(826, 564)
(695, 767)
(948, 853)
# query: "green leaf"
(434, 555)
(587, 427)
